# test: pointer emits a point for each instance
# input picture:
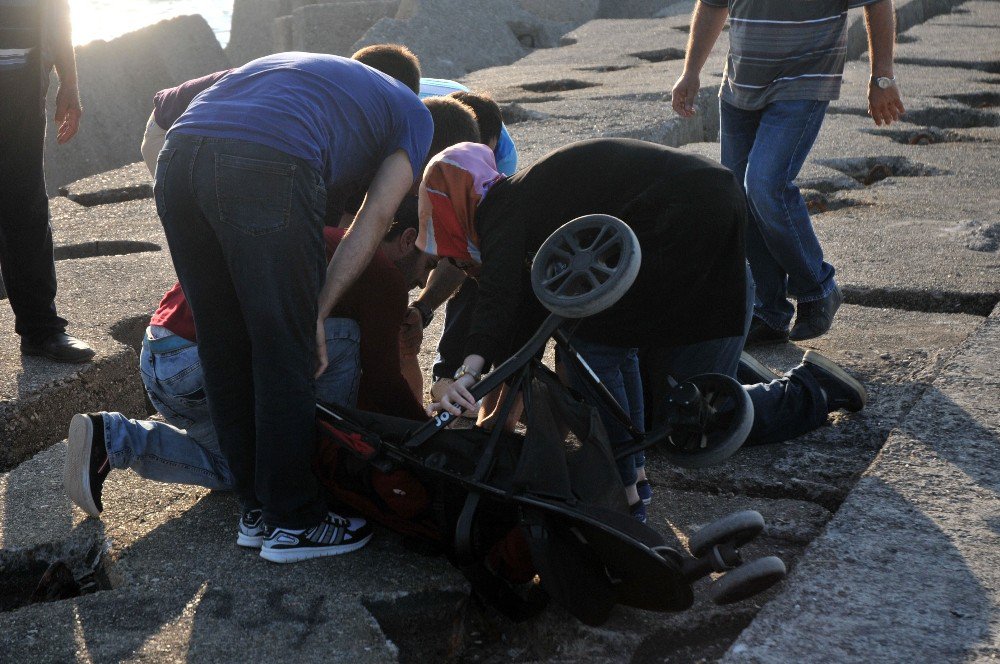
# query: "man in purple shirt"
(241, 190)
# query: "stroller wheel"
(747, 580)
(711, 415)
(736, 529)
(585, 266)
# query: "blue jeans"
(244, 223)
(618, 369)
(185, 449)
(765, 149)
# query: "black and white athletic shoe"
(251, 529)
(87, 463)
(332, 536)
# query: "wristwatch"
(464, 371)
(884, 82)
(426, 313)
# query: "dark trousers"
(457, 321)
(26, 262)
(245, 227)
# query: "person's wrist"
(426, 313)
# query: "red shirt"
(377, 301)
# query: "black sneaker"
(250, 532)
(841, 389)
(762, 334)
(332, 536)
(750, 372)
(814, 319)
(60, 347)
(87, 463)
(638, 511)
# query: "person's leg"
(339, 383)
(266, 211)
(184, 449)
(224, 345)
(738, 132)
(783, 232)
(457, 319)
(26, 259)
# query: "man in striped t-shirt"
(785, 65)
(34, 35)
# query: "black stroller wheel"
(712, 416)
(747, 580)
(585, 266)
(736, 529)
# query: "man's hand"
(684, 94)
(411, 334)
(884, 105)
(456, 398)
(321, 359)
(68, 112)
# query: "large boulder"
(118, 79)
(633, 8)
(454, 37)
(574, 12)
(335, 27)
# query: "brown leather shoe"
(60, 347)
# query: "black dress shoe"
(59, 347)
(762, 334)
(813, 319)
(840, 388)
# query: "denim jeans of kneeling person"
(184, 449)
(765, 149)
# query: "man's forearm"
(880, 21)
(442, 284)
(706, 26)
(61, 37)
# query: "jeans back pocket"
(254, 195)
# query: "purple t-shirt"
(170, 104)
(339, 115)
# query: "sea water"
(107, 19)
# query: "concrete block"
(453, 37)
(118, 79)
(281, 34)
(334, 28)
(632, 8)
(250, 36)
(574, 12)
(121, 184)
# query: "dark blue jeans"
(26, 262)
(245, 227)
(766, 149)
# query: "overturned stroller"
(542, 516)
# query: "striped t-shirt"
(20, 32)
(784, 49)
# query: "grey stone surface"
(122, 184)
(251, 32)
(908, 568)
(574, 12)
(118, 79)
(334, 28)
(633, 8)
(453, 37)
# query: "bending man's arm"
(393, 179)
(706, 26)
(884, 106)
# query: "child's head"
(488, 115)
(394, 60)
(454, 122)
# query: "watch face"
(884, 82)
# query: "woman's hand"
(456, 397)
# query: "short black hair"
(454, 122)
(393, 59)
(487, 112)
(405, 217)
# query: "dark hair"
(393, 59)
(405, 217)
(487, 113)
(454, 122)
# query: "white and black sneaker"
(251, 529)
(332, 536)
(87, 464)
